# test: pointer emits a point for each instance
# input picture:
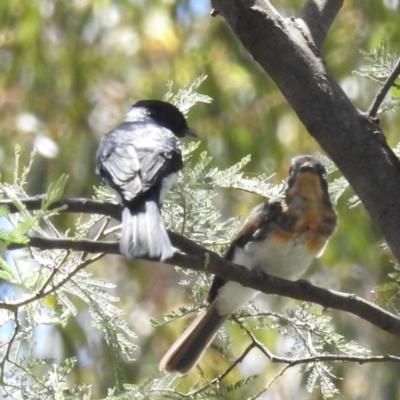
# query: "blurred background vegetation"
(69, 70)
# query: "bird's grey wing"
(137, 157)
(158, 157)
(120, 168)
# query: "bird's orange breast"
(309, 225)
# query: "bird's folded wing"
(121, 171)
(134, 166)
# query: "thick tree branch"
(318, 16)
(199, 258)
(352, 140)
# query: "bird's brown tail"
(187, 350)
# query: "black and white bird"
(140, 160)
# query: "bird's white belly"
(233, 295)
(283, 259)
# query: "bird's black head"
(306, 163)
(166, 115)
(307, 177)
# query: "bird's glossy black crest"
(165, 114)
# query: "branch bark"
(318, 16)
(352, 140)
(201, 259)
(73, 205)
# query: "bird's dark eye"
(321, 169)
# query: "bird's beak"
(190, 132)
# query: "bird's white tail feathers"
(143, 233)
(187, 350)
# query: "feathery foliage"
(46, 285)
(380, 66)
(52, 285)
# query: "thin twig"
(74, 205)
(319, 357)
(373, 79)
(9, 345)
(44, 291)
(373, 110)
(290, 362)
(272, 380)
(52, 274)
(220, 377)
(86, 245)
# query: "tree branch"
(318, 16)
(74, 205)
(199, 258)
(85, 245)
(348, 136)
(318, 357)
(373, 110)
(301, 290)
(291, 362)
(221, 376)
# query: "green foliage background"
(68, 72)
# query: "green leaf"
(54, 191)
(187, 96)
